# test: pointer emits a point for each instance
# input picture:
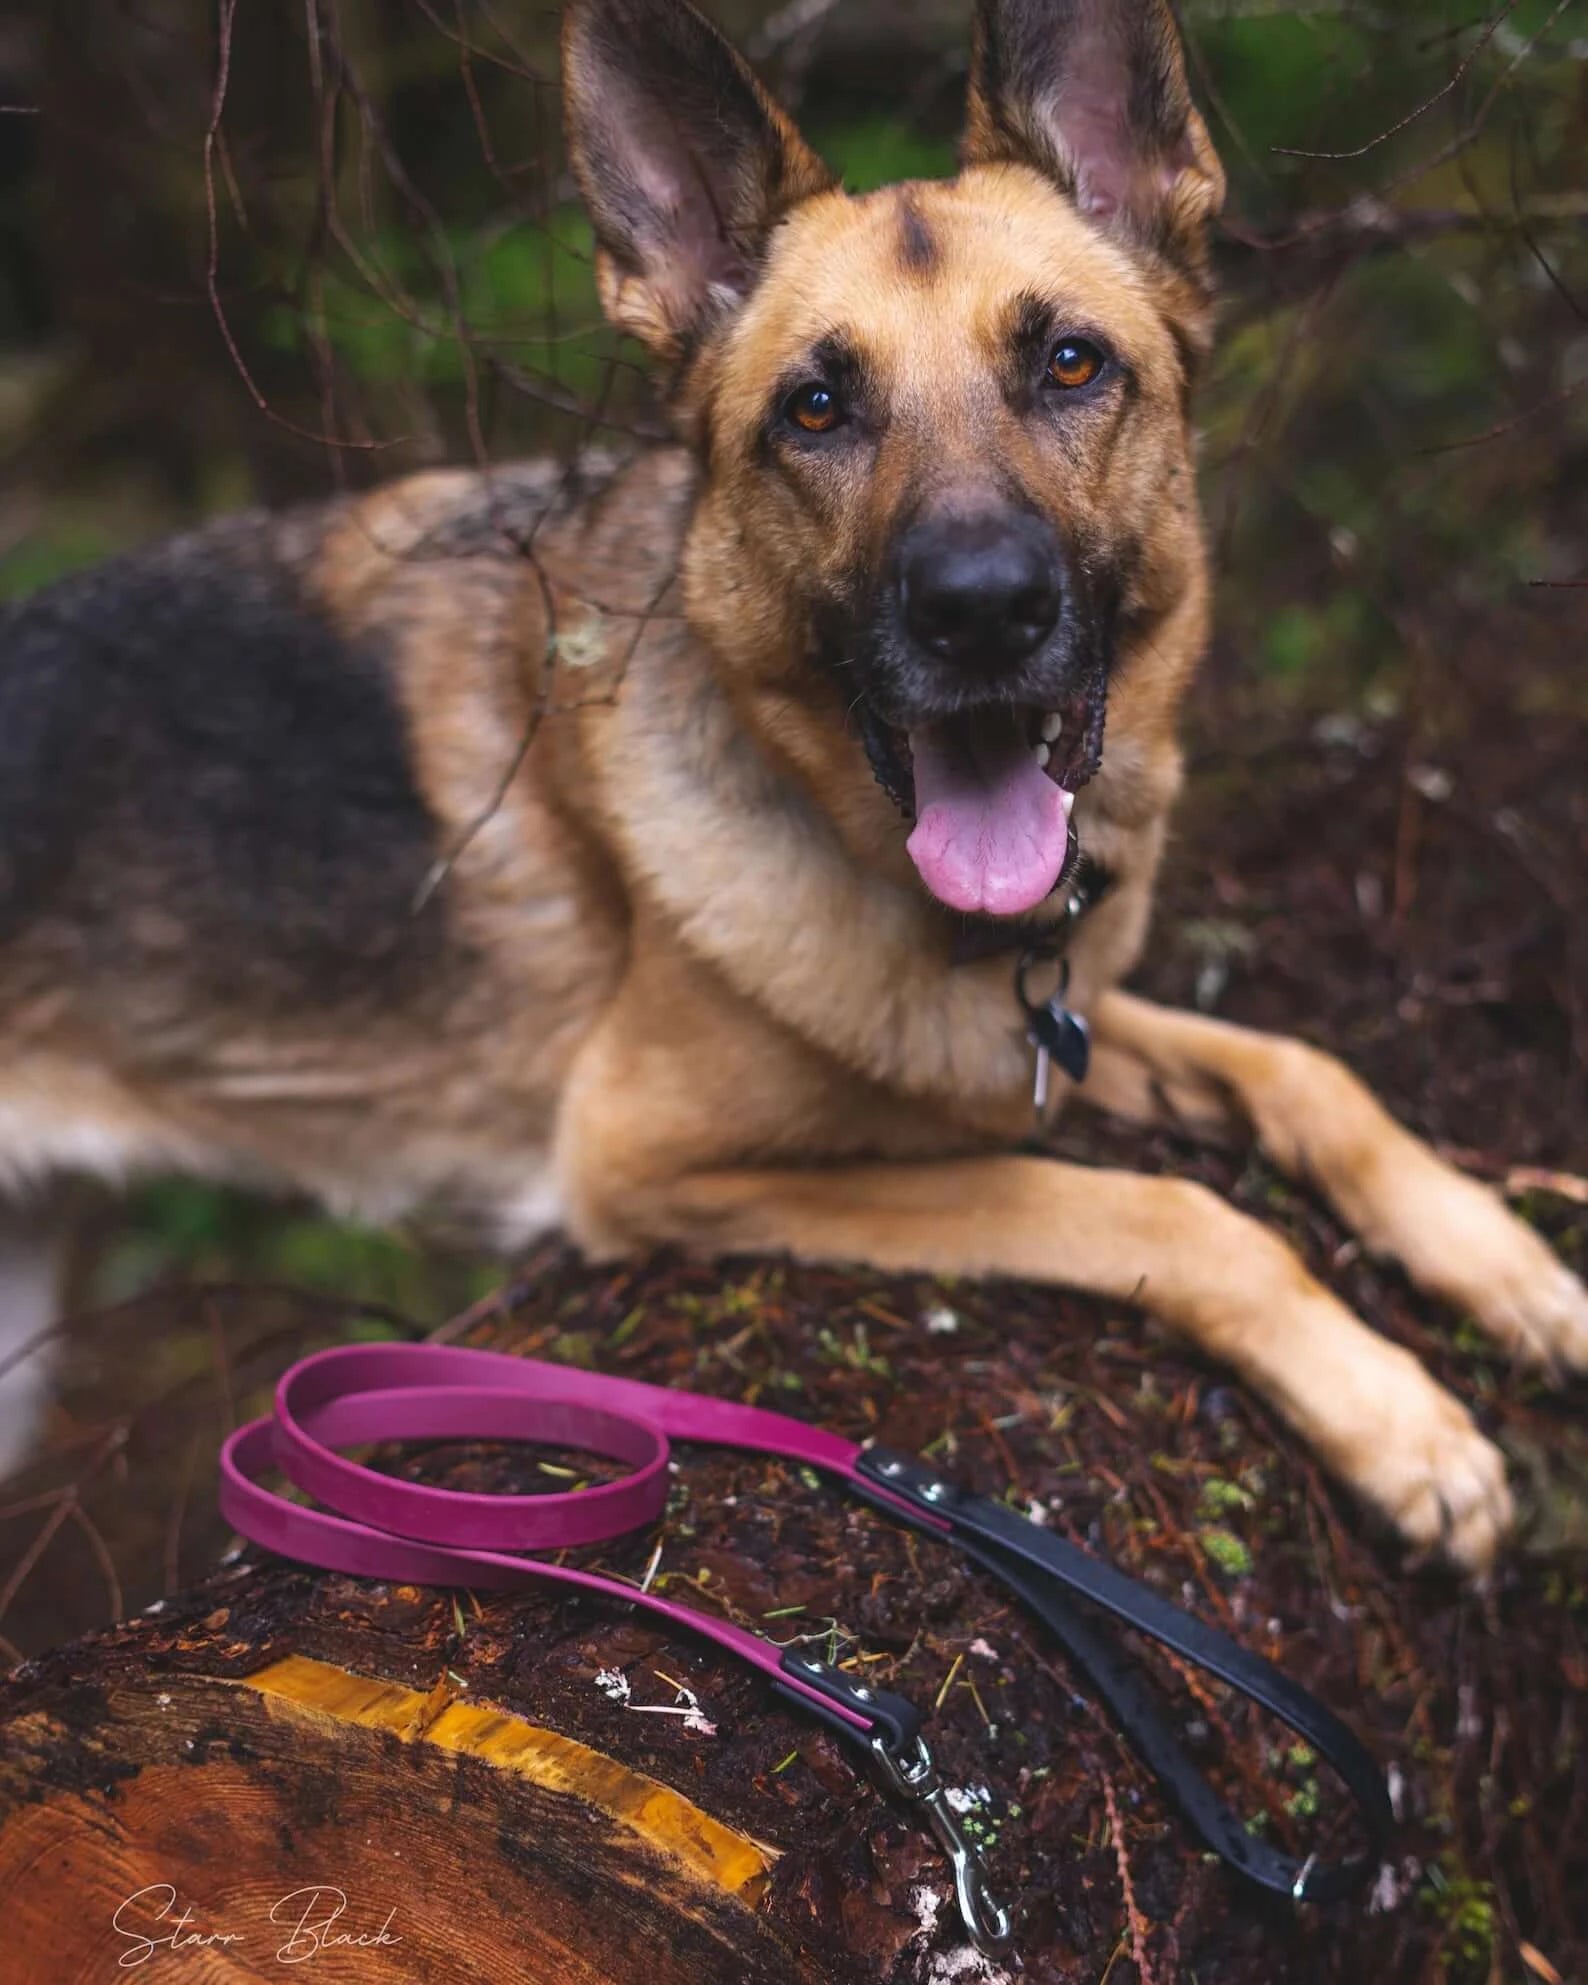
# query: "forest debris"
(1133, 1916)
(1522, 1179)
(1539, 1965)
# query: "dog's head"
(947, 494)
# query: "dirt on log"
(485, 1779)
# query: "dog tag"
(1059, 1035)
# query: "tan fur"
(700, 996)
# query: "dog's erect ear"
(1093, 93)
(684, 161)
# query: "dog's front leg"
(1318, 1123)
(1368, 1407)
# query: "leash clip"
(905, 1765)
(911, 1774)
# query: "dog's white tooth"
(1052, 727)
(1069, 801)
(1043, 755)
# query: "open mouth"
(991, 791)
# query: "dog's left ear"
(684, 161)
(1093, 93)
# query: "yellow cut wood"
(716, 1854)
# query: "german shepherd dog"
(603, 850)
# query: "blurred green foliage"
(178, 1227)
(53, 551)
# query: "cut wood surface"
(304, 1815)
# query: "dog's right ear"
(684, 161)
(1093, 94)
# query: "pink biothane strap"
(373, 1526)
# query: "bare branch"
(1411, 117)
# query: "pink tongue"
(991, 828)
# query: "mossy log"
(536, 1789)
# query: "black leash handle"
(1044, 1571)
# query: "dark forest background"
(256, 252)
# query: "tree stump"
(181, 1806)
(395, 1784)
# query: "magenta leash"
(372, 1526)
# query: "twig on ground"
(1133, 1916)
(1522, 1179)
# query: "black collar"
(974, 943)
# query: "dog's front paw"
(1534, 1305)
(1459, 1241)
(1419, 1458)
(1493, 1265)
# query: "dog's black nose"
(982, 590)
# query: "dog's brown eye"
(1074, 363)
(815, 409)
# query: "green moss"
(1226, 1550)
(1221, 1498)
(1466, 1909)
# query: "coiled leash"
(373, 1526)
